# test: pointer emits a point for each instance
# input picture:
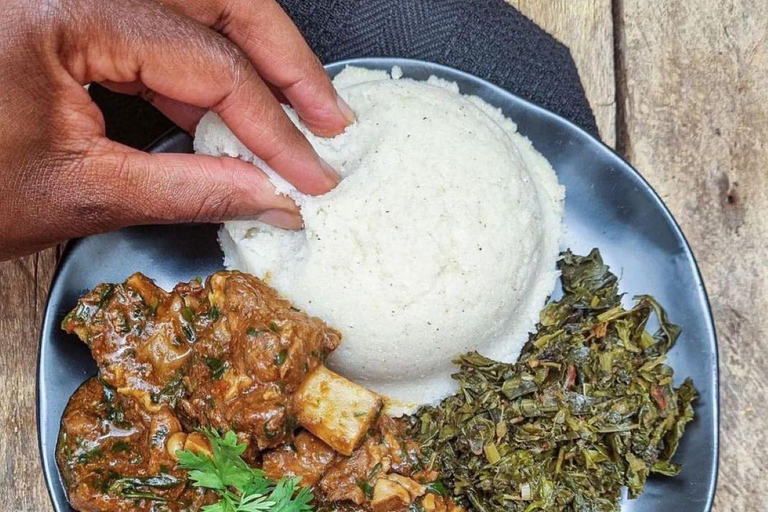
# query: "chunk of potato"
(336, 410)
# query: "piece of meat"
(437, 503)
(307, 457)
(389, 496)
(130, 330)
(342, 481)
(233, 356)
(112, 455)
(411, 486)
(227, 355)
(384, 452)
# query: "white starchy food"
(441, 238)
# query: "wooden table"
(681, 90)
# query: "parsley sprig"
(241, 487)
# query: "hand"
(62, 178)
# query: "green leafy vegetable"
(188, 314)
(281, 357)
(366, 487)
(120, 446)
(141, 487)
(90, 455)
(241, 487)
(173, 390)
(217, 367)
(437, 487)
(588, 408)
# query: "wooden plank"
(694, 121)
(586, 27)
(22, 298)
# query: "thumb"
(125, 187)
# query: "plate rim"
(386, 63)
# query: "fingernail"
(345, 109)
(280, 219)
(330, 172)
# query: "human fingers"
(112, 186)
(184, 115)
(280, 55)
(166, 188)
(180, 59)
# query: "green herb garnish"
(115, 412)
(90, 455)
(281, 357)
(588, 408)
(366, 487)
(105, 295)
(120, 446)
(437, 487)
(173, 390)
(140, 488)
(217, 367)
(240, 487)
(188, 314)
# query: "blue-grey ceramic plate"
(608, 205)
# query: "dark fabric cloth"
(487, 38)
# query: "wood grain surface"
(22, 298)
(694, 120)
(681, 90)
(586, 27)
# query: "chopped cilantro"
(240, 487)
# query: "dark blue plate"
(608, 205)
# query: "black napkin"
(487, 38)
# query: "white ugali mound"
(442, 237)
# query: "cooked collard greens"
(589, 407)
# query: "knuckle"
(215, 207)
(95, 196)
(46, 12)
(218, 197)
(306, 74)
(238, 73)
(277, 149)
(247, 35)
(244, 77)
(239, 66)
(68, 188)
